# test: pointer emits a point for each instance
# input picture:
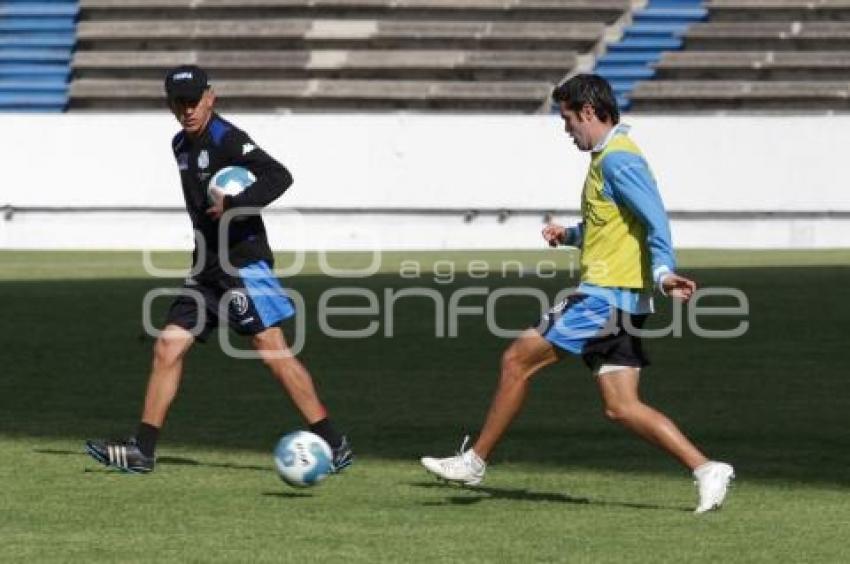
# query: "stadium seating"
(757, 54)
(473, 55)
(36, 39)
(500, 55)
(779, 10)
(655, 28)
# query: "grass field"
(565, 485)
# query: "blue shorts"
(600, 333)
(253, 302)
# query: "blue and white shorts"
(252, 302)
(589, 326)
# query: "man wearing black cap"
(240, 284)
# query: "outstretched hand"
(554, 234)
(678, 287)
(217, 208)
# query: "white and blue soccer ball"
(303, 459)
(231, 180)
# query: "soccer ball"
(303, 459)
(231, 180)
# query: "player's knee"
(169, 349)
(620, 412)
(262, 342)
(269, 339)
(513, 365)
(270, 359)
(271, 347)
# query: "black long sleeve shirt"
(223, 144)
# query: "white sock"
(702, 469)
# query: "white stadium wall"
(413, 181)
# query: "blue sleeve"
(574, 235)
(629, 183)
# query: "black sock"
(146, 437)
(326, 430)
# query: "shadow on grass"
(288, 495)
(165, 460)
(513, 494)
(772, 402)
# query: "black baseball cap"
(186, 82)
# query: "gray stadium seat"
(367, 63)
(606, 11)
(320, 93)
(778, 10)
(666, 95)
(265, 32)
(756, 55)
(346, 54)
(769, 35)
(755, 65)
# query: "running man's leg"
(136, 454)
(290, 372)
(166, 372)
(619, 390)
(564, 329)
(524, 357)
(256, 304)
(622, 404)
(296, 380)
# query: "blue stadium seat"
(11, 9)
(676, 4)
(614, 72)
(36, 47)
(33, 101)
(8, 85)
(657, 28)
(58, 72)
(18, 40)
(37, 24)
(623, 57)
(646, 44)
(673, 14)
(36, 55)
(622, 85)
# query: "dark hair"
(589, 89)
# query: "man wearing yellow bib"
(626, 253)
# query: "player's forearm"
(660, 245)
(661, 253)
(272, 182)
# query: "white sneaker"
(712, 480)
(466, 468)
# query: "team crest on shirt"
(183, 161)
(239, 303)
(203, 159)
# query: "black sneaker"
(343, 455)
(123, 455)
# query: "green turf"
(75, 265)
(565, 486)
